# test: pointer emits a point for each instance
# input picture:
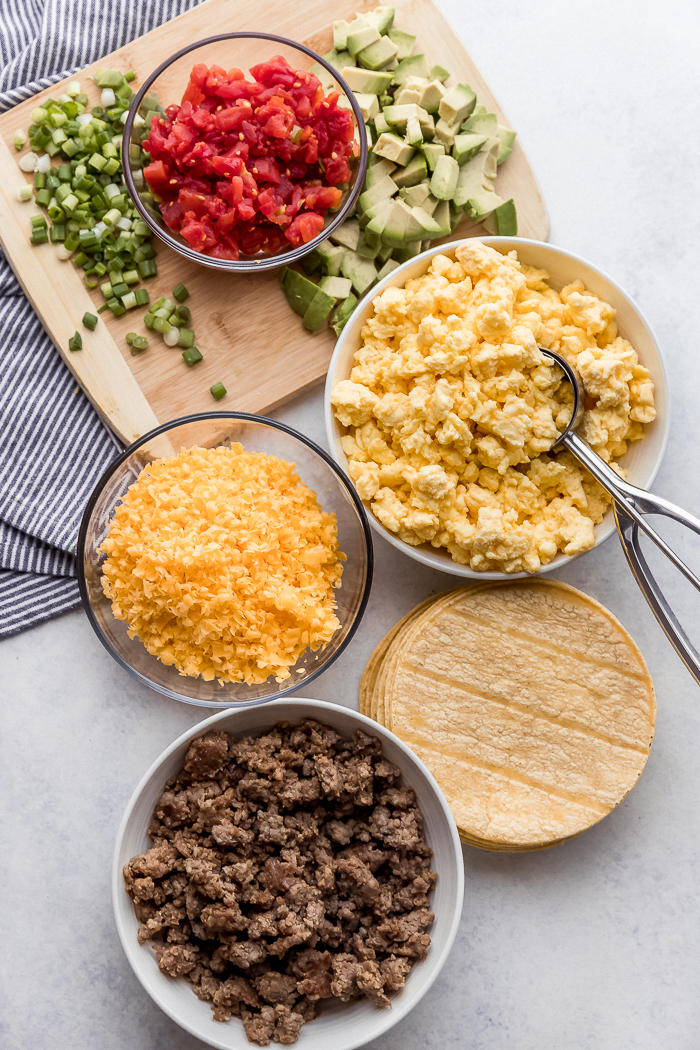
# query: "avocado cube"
(444, 134)
(457, 103)
(414, 135)
(362, 272)
(487, 124)
(362, 38)
(311, 263)
(368, 244)
(415, 171)
(404, 41)
(380, 190)
(406, 95)
(413, 66)
(415, 196)
(331, 256)
(384, 253)
(381, 124)
(476, 177)
(424, 225)
(340, 35)
(398, 117)
(467, 145)
(342, 314)
(456, 216)
(382, 17)
(338, 287)
(378, 54)
(432, 151)
(318, 310)
(503, 221)
(371, 133)
(442, 217)
(444, 181)
(347, 234)
(379, 215)
(432, 96)
(369, 105)
(339, 59)
(393, 148)
(479, 207)
(299, 291)
(366, 80)
(409, 251)
(386, 269)
(378, 171)
(439, 73)
(386, 100)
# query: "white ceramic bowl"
(339, 1026)
(643, 459)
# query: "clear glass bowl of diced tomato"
(243, 151)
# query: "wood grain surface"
(251, 340)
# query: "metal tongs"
(630, 506)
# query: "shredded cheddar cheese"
(223, 564)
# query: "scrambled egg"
(451, 410)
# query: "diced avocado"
(362, 272)
(382, 17)
(404, 41)
(467, 145)
(378, 218)
(328, 81)
(386, 100)
(311, 263)
(503, 221)
(431, 96)
(341, 315)
(415, 171)
(457, 103)
(408, 251)
(381, 124)
(482, 205)
(393, 148)
(384, 253)
(347, 234)
(339, 59)
(298, 290)
(368, 244)
(487, 124)
(345, 103)
(426, 223)
(432, 151)
(413, 66)
(441, 215)
(386, 269)
(340, 35)
(319, 309)
(405, 96)
(444, 181)
(398, 115)
(369, 105)
(377, 55)
(366, 80)
(394, 231)
(371, 133)
(361, 38)
(444, 134)
(338, 287)
(414, 135)
(331, 256)
(456, 216)
(415, 196)
(379, 191)
(378, 171)
(439, 73)
(477, 175)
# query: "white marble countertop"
(591, 945)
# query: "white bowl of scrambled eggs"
(442, 409)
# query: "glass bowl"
(315, 468)
(234, 50)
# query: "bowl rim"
(247, 417)
(265, 262)
(130, 945)
(434, 561)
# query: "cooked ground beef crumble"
(285, 869)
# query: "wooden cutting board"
(251, 340)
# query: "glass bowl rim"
(266, 262)
(246, 417)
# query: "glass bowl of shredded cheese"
(224, 559)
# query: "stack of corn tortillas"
(528, 701)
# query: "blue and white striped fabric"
(53, 446)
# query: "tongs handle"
(629, 537)
(636, 503)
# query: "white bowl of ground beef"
(338, 1025)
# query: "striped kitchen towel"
(53, 446)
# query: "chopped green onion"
(180, 293)
(183, 313)
(64, 172)
(185, 337)
(90, 321)
(161, 325)
(20, 139)
(39, 116)
(116, 307)
(148, 320)
(81, 258)
(129, 76)
(75, 342)
(142, 296)
(39, 236)
(38, 220)
(148, 268)
(57, 234)
(171, 337)
(25, 192)
(130, 277)
(108, 78)
(192, 356)
(129, 301)
(39, 180)
(120, 289)
(43, 198)
(217, 391)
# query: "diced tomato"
(156, 175)
(172, 215)
(320, 198)
(304, 228)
